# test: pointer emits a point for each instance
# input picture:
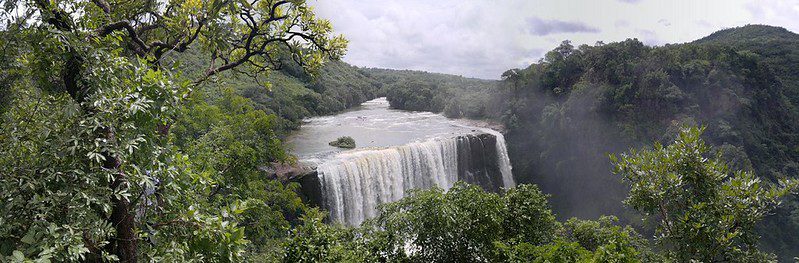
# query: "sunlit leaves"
(705, 211)
(93, 103)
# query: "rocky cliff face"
(478, 161)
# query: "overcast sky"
(484, 38)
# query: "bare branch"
(125, 25)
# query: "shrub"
(343, 142)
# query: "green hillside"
(290, 93)
(566, 113)
(777, 47)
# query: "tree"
(467, 224)
(705, 211)
(87, 166)
(228, 141)
(529, 218)
(315, 241)
(460, 225)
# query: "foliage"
(705, 211)
(315, 241)
(467, 224)
(528, 217)
(422, 91)
(343, 142)
(457, 226)
(567, 111)
(610, 242)
(558, 252)
(88, 169)
(230, 141)
(289, 93)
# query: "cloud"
(471, 38)
(704, 23)
(649, 37)
(479, 38)
(542, 27)
(775, 12)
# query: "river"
(396, 151)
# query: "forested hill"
(289, 93)
(456, 96)
(292, 94)
(778, 47)
(750, 35)
(568, 111)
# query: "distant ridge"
(777, 47)
(750, 33)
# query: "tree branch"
(125, 25)
(102, 4)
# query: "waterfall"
(355, 182)
(504, 160)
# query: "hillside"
(455, 96)
(750, 35)
(778, 48)
(568, 112)
(290, 93)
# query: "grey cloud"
(649, 37)
(541, 27)
(479, 38)
(703, 23)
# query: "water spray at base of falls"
(355, 182)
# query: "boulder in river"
(346, 142)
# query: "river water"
(396, 151)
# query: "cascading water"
(355, 182)
(504, 160)
(398, 151)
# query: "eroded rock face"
(287, 172)
(352, 185)
(306, 176)
(478, 161)
(311, 189)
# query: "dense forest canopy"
(565, 113)
(146, 131)
(92, 169)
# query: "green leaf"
(18, 256)
(28, 238)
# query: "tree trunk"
(124, 244)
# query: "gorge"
(259, 131)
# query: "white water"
(356, 182)
(404, 150)
(502, 156)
